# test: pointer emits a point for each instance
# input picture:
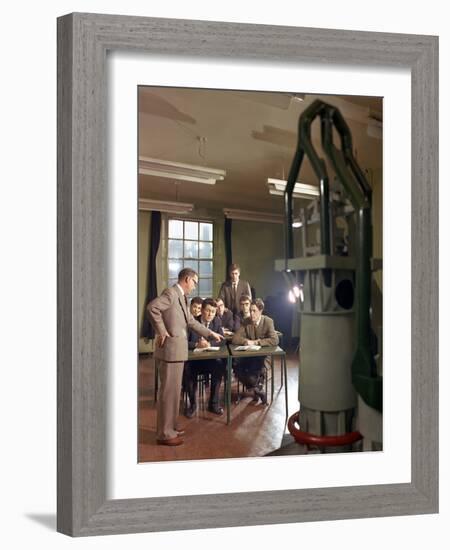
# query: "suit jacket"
(194, 337)
(226, 293)
(264, 332)
(227, 320)
(169, 314)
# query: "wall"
(256, 246)
(28, 280)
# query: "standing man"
(232, 290)
(171, 319)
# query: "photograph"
(259, 273)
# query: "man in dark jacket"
(225, 315)
(214, 367)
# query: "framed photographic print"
(147, 109)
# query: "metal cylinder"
(326, 353)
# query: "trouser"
(249, 371)
(215, 367)
(171, 375)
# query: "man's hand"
(217, 337)
(251, 342)
(202, 343)
(160, 339)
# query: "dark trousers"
(214, 367)
(249, 371)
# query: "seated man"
(215, 367)
(256, 330)
(196, 306)
(225, 315)
(244, 311)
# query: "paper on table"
(247, 348)
(211, 348)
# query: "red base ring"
(320, 440)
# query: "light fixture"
(251, 216)
(296, 223)
(301, 190)
(179, 171)
(165, 206)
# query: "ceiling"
(251, 135)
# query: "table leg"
(272, 381)
(229, 363)
(284, 368)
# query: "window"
(191, 245)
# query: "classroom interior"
(247, 140)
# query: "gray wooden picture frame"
(83, 202)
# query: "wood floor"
(255, 430)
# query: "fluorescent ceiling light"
(165, 206)
(301, 190)
(248, 215)
(178, 171)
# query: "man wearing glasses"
(171, 319)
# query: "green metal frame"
(364, 375)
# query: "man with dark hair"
(256, 330)
(225, 315)
(195, 306)
(244, 311)
(232, 289)
(214, 367)
(171, 319)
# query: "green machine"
(330, 276)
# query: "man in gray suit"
(231, 290)
(171, 319)
(256, 330)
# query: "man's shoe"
(173, 442)
(190, 411)
(262, 395)
(216, 410)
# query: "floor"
(254, 430)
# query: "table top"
(202, 355)
(265, 350)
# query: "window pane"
(205, 269)
(175, 229)
(175, 249)
(205, 288)
(205, 250)
(173, 281)
(193, 264)
(206, 232)
(190, 249)
(191, 230)
(174, 268)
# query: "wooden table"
(272, 351)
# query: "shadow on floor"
(47, 520)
